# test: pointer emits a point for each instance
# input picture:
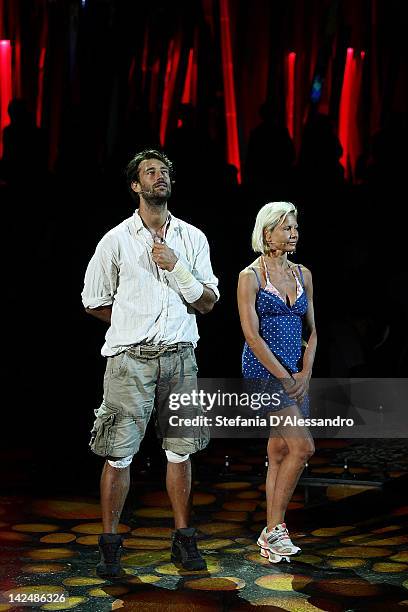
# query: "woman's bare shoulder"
(249, 270)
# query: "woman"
(275, 297)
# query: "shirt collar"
(139, 223)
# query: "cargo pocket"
(102, 434)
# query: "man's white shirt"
(147, 306)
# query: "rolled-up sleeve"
(202, 270)
(101, 277)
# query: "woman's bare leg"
(300, 447)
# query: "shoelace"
(191, 546)
(282, 535)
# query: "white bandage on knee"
(175, 457)
(121, 463)
(189, 286)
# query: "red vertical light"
(145, 56)
(290, 93)
(186, 98)
(173, 57)
(229, 90)
(349, 129)
(40, 91)
(5, 86)
(344, 118)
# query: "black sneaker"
(110, 547)
(184, 549)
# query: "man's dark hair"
(132, 169)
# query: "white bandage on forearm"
(121, 463)
(189, 286)
(175, 457)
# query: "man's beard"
(155, 199)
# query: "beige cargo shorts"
(137, 383)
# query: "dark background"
(97, 95)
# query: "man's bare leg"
(114, 489)
(178, 483)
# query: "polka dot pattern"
(280, 325)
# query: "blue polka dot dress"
(280, 325)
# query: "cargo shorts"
(137, 383)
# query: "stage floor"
(354, 537)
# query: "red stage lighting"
(5, 86)
(229, 90)
(290, 93)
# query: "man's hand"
(164, 256)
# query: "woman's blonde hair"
(270, 216)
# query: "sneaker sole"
(297, 550)
(189, 566)
(272, 557)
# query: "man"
(148, 277)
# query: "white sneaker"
(277, 541)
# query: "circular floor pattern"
(169, 569)
(328, 532)
(283, 582)
(67, 509)
(143, 579)
(346, 563)
(224, 583)
(238, 517)
(82, 581)
(349, 587)
(109, 591)
(35, 527)
(364, 552)
(256, 557)
(152, 532)
(214, 544)
(390, 568)
(360, 538)
(290, 604)
(329, 469)
(334, 492)
(34, 589)
(401, 556)
(161, 499)
(146, 544)
(215, 528)
(309, 559)
(240, 506)
(244, 541)
(14, 536)
(174, 601)
(249, 495)
(88, 540)
(97, 528)
(49, 554)
(58, 538)
(387, 529)
(70, 602)
(232, 486)
(45, 568)
(394, 541)
(145, 558)
(153, 513)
